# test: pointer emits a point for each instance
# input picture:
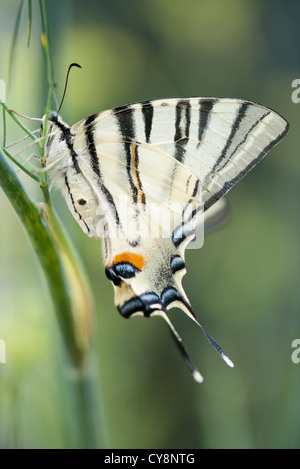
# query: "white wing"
(219, 140)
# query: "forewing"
(218, 139)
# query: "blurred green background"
(243, 283)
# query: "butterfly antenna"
(74, 64)
(178, 341)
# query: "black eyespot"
(81, 201)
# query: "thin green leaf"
(45, 43)
(4, 127)
(29, 173)
(29, 21)
(14, 43)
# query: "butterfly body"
(141, 176)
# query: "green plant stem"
(45, 42)
(4, 127)
(30, 215)
(61, 278)
(14, 44)
(29, 22)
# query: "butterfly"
(144, 176)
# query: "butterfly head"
(54, 117)
(54, 120)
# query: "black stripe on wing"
(244, 139)
(187, 228)
(181, 233)
(89, 127)
(204, 117)
(126, 125)
(73, 203)
(229, 184)
(124, 116)
(67, 137)
(147, 111)
(234, 129)
(135, 173)
(89, 136)
(182, 128)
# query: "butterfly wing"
(180, 154)
(173, 152)
(219, 140)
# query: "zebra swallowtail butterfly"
(141, 176)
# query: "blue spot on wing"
(143, 303)
(169, 295)
(125, 270)
(176, 263)
(130, 307)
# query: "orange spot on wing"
(136, 259)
